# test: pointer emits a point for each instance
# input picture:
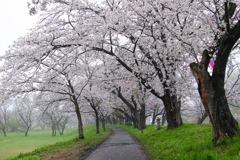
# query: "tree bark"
(142, 122)
(211, 88)
(114, 120)
(202, 118)
(77, 110)
(97, 121)
(172, 109)
(154, 116)
(26, 133)
(109, 120)
(164, 117)
(4, 133)
(80, 124)
(53, 130)
(103, 124)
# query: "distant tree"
(66, 79)
(13, 124)
(103, 114)
(124, 113)
(156, 110)
(62, 125)
(95, 104)
(23, 109)
(53, 114)
(4, 119)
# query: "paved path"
(119, 146)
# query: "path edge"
(88, 151)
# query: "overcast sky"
(14, 22)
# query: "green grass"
(42, 143)
(189, 142)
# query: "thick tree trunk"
(80, 124)
(215, 103)
(172, 109)
(97, 122)
(142, 121)
(222, 119)
(211, 88)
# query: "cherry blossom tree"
(45, 69)
(154, 41)
(54, 116)
(137, 54)
(4, 118)
(226, 33)
(24, 111)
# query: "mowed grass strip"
(16, 143)
(40, 143)
(189, 142)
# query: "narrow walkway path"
(119, 146)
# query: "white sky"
(14, 22)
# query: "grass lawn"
(41, 142)
(189, 142)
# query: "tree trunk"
(172, 109)
(211, 89)
(121, 120)
(142, 121)
(77, 110)
(128, 120)
(202, 118)
(109, 120)
(26, 133)
(4, 132)
(63, 128)
(80, 124)
(103, 124)
(134, 116)
(114, 120)
(223, 120)
(164, 117)
(153, 117)
(60, 129)
(97, 122)
(215, 102)
(53, 130)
